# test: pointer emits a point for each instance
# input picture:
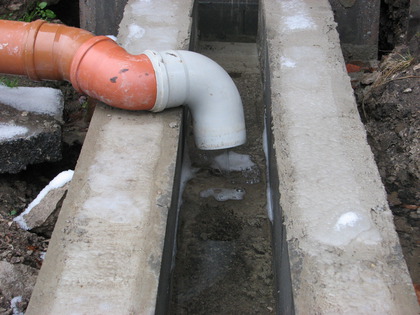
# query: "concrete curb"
(344, 252)
(105, 253)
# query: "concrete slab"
(344, 252)
(106, 250)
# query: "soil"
(389, 107)
(388, 98)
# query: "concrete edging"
(105, 253)
(344, 252)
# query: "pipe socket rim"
(162, 80)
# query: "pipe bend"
(99, 67)
(185, 77)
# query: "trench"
(219, 259)
(223, 261)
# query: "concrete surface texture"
(344, 252)
(105, 253)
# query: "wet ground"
(224, 258)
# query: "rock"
(17, 280)
(14, 6)
(41, 219)
(369, 78)
(30, 126)
(27, 138)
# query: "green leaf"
(50, 14)
(42, 5)
(13, 212)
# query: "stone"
(27, 138)
(41, 219)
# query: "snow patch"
(114, 38)
(59, 181)
(270, 211)
(298, 22)
(14, 306)
(287, 62)
(232, 161)
(41, 100)
(8, 131)
(135, 32)
(138, 7)
(348, 219)
(297, 16)
(223, 194)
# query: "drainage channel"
(223, 262)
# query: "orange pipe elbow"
(95, 65)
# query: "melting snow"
(135, 32)
(298, 16)
(287, 62)
(14, 307)
(223, 194)
(59, 181)
(112, 37)
(41, 100)
(348, 219)
(8, 131)
(232, 161)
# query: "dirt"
(388, 99)
(234, 238)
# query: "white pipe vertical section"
(185, 77)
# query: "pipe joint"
(98, 67)
(185, 77)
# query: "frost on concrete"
(41, 100)
(298, 17)
(8, 131)
(135, 32)
(59, 181)
(148, 21)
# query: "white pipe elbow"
(185, 77)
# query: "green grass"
(11, 83)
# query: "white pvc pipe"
(185, 77)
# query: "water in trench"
(223, 262)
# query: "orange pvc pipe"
(95, 65)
